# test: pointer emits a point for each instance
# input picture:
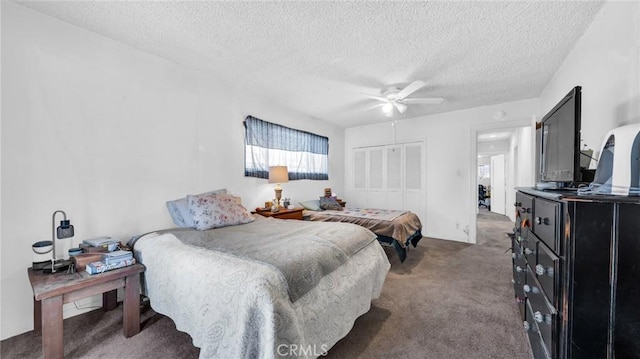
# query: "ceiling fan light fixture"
(387, 108)
(394, 97)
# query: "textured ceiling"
(323, 58)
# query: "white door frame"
(498, 184)
(473, 164)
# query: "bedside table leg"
(131, 307)
(52, 329)
(37, 316)
(110, 300)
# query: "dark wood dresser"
(576, 273)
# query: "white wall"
(448, 163)
(606, 63)
(108, 133)
(523, 139)
(520, 165)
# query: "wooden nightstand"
(283, 213)
(50, 291)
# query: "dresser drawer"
(542, 313)
(519, 276)
(530, 248)
(547, 271)
(524, 211)
(524, 203)
(533, 290)
(533, 332)
(545, 222)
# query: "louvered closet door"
(395, 176)
(415, 173)
(376, 196)
(391, 177)
(359, 196)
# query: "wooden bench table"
(51, 291)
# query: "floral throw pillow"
(330, 203)
(179, 209)
(216, 210)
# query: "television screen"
(560, 157)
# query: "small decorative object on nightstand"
(274, 206)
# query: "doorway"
(510, 147)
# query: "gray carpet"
(448, 300)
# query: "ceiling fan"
(396, 98)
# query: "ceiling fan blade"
(379, 98)
(427, 100)
(411, 88)
(400, 106)
(378, 105)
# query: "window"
(267, 144)
(484, 171)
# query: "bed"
(395, 228)
(270, 288)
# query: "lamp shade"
(278, 174)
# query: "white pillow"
(217, 210)
(312, 205)
(179, 209)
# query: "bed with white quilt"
(266, 288)
(395, 228)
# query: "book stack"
(110, 261)
(100, 244)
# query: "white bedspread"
(236, 308)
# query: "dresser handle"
(540, 220)
(538, 317)
(540, 270)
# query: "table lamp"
(278, 175)
(65, 230)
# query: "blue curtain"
(266, 144)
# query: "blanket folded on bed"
(302, 252)
(370, 213)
